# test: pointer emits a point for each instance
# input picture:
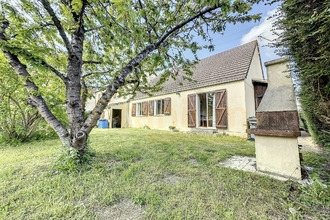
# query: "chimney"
(278, 124)
(277, 113)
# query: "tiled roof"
(230, 65)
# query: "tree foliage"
(306, 39)
(19, 121)
(113, 44)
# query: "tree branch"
(188, 20)
(81, 14)
(89, 74)
(27, 55)
(58, 73)
(93, 29)
(113, 18)
(19, 107)
(132, 81)
(147, 21)
(92, 62)
(33, 91)
(59, 27)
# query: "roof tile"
(230, 65)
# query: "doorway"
(206, 110)
(116, 118)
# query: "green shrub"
(315, 194)
(19, 121)
(71, 160)
(302, 121)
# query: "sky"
(236, 35)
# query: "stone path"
(247, 164)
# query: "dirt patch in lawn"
(172, 179)
(125, 209)
(193, 161)
(113, 163)
(241, 163)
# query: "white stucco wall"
(179, 110)
(279, 83)
(278, 155)
(125, 114)
(240, 106)
(255, 72)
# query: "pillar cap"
(276, 61)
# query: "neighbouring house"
(226, 90)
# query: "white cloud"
(264, 29)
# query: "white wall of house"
(255, 72)
(125, 114)
(91, 102)
(240, 105)
(179, 109)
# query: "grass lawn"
(146, 174)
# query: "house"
(225, 91)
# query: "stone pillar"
(277, 129)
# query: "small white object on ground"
(248, 164)
(293, 211)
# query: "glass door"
(206, 109)
(210, 104)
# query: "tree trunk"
(84, 96)
(118, 81)
(73, 93)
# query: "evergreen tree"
(305, 37)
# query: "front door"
(116, 118)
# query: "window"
(159, 107)
(139, 109)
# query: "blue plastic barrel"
(103, 123)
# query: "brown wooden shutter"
(151, 108)
(192, 111)
(145, 108)
(259, 91)
(133, 109)
(167, 106)
(221, 115)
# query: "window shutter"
(221, 115)
(151, 108)
(145, 108)
(167, 106)
(192, 111)
(133, 109)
